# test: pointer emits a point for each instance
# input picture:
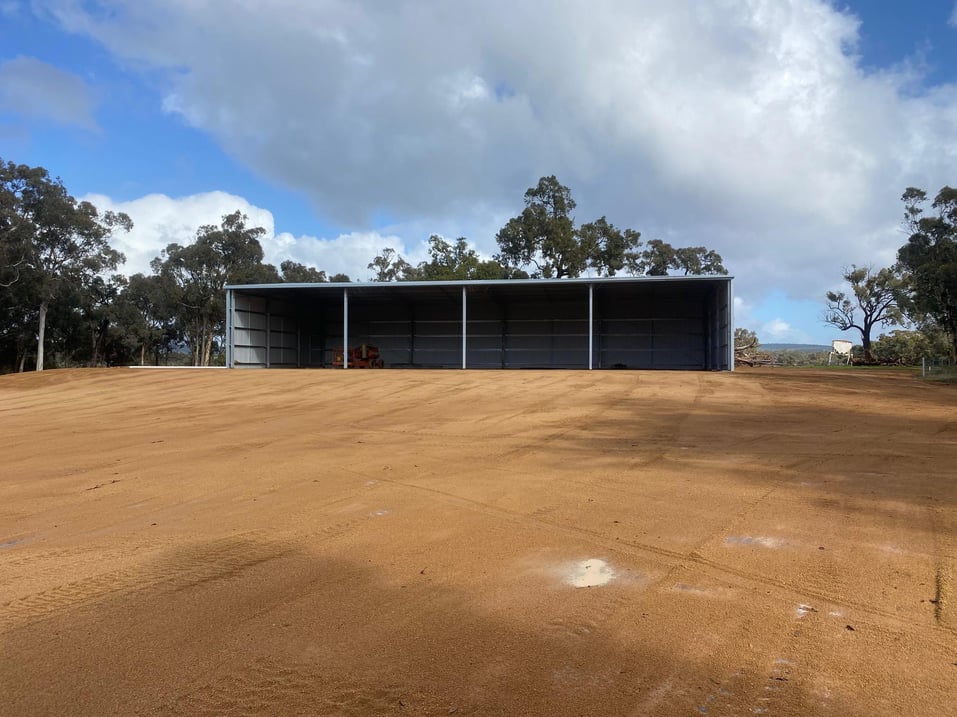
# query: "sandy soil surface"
(777, 542)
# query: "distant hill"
(806, 348)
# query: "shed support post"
(229, 328)
(717, 334)
(345, 328)
(464, 323)
(591, 315)
(731, 325)
(268, 337)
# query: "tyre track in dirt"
(552, 477)
(220, 559)
(217, 560)
(301, 689)
(754, 582)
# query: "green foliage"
(745, 339)
(56, 263)
(606, 248)
(698, 261)
(544, 234)
(151, 317)
(872, 302)
(907, 348)
(447, 262)
(50, 244)
(389, 266)
(455, 262)
(657, 258)
(930, 258)
(196, 276)
(295, 273)
(544, 237)
(793, 357)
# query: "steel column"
(731, 325)
(464, 324)
(229, 328)
(345, 328)
(591, 314)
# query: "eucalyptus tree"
(50, 243)
(545, 239)
(871, 302)
(196, 275)
(930, 257)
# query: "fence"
(938, 368)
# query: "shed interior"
(669, 323)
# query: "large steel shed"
(636, 322)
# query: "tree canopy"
(197, 275)
(295, 273)
(930, 257)
(873, 301)
(544, 239)
(544, 236)
(62, 301)
(50, 244)
(448, 261)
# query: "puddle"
(752, 540)
(590, 573)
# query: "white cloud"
(743, 317)
(159, 220)
(777, 331)
(345, 254)
(747, 127)
(953, 17)
(37, 89)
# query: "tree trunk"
(94, 359)
(207, 342)
(197, 343)
(143, 354)
(866, 343)
(41, 332)
(23, 361)
(207, 348)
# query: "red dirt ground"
(405, 542)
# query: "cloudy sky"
(780, 133)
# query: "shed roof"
(485, 282)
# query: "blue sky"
(780, 134)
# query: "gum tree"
(930, 258)
(51, 242)
(871, 302)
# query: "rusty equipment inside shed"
(362, 356)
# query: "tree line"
(545, 242)
(918, 293)
(63, 302)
